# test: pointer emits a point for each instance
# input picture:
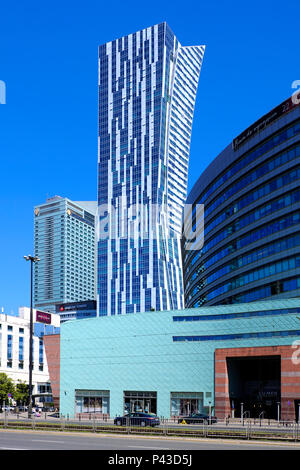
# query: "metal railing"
(238, 428)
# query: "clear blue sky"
(48, 127)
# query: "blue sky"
(48, 126)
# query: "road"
(34, 440)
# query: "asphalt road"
(34, 440)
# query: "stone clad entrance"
(272, 392)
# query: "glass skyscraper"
(65, 242)
(147, 91)
(251, 193)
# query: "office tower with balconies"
(65, 242)
(147, 91)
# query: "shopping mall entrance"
(140, 402)
(254, 386)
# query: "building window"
(41, 352)
(21, 348)
(44, 388)
(9, 347)
(267, 334)
(185, 403)
(92, 401)
(135, 402)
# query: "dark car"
(22, 408)
(137, 419)
(48, 409)
(197, 418)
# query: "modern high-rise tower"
(64, 240)
(147, 91)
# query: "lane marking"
(44, 440)
(148, 447)
(11, 448)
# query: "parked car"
(48, 409)
(197, 418)
(22, 408)
(137, 419)
(6, 408)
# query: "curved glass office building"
(251, 199)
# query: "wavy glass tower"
(147, 91)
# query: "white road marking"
(147, 447)
(11, 448)
(44, 440)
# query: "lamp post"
(242, 413)
(32, 259)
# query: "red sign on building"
(43, 317)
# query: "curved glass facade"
(251, 198)
(147, 91)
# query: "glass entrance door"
(185, 403)
(144, 402)
(188, 406)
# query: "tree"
(21, 394)
(6, 386)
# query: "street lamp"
(32, 259)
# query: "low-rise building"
(217, 358)
(14, 349)
(77, 310)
